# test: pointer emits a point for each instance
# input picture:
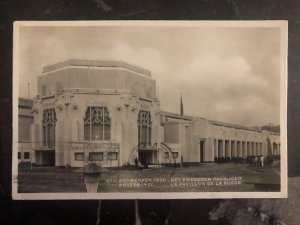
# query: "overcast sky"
(226, 74)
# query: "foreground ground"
(207, 177)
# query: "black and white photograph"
(149, 109)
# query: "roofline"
(213, 122)
(218, 123)
(96, 63)
(177, 116)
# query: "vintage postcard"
(149, 109)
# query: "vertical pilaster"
(223, 148)
(239, 149)
(249, 149)
(260, 149)
(229, 149)
(244, 149)
(216, 148)
(235, 148)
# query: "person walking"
(262, 158)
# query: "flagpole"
(180, 125)
(28, 90)
(181, 106)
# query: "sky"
(229, 74)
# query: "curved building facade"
(107, 112)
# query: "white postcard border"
(154, 195)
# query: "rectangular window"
(19, 155)
(79, 156)
(97, 131)
(96, 156)
(166, 155)
(50, 137)
(144, 135)
(112, 155)
(44, 136)
(107, 132)
(86, 132)
(26, 155)
(49, 121)
(175, 155)
(144, 128)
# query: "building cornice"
(96, 63)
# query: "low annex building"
(107, 112)
(25, 120)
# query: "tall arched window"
(49, 122)
(97, 124)
(144, 128)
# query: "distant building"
(202, 140)
(25, 120)
(108, 112)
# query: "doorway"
(45, 157)
(202, 150)
(148, 157)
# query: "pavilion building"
(107, 112)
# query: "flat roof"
(96, 63)
(213, 122)
(177, 116)
(25, 102)
(224, 124)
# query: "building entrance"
(45, 157)
(202, 150)
(148, 157)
